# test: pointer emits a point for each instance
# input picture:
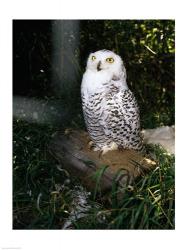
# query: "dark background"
(44, 51)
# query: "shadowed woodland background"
(49, 58)
(44, 51)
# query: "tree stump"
(120, 167)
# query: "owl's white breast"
(92, 81)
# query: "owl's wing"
(120, 118)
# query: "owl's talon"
(102, 152)
(111, 147)
(95, 149)
(92, 146)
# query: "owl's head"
(106, 61)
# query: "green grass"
(42, 190)
(37, 181)
(148, 204)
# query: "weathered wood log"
(119, 167)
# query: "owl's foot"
(112, 146)
(92, 146)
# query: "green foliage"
(37, 182)
(97, 177)
(41, 190)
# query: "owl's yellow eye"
(93, 58)
(110, 60)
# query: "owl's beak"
(99, 66)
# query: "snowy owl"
(110, 109)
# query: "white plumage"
(110, 110)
